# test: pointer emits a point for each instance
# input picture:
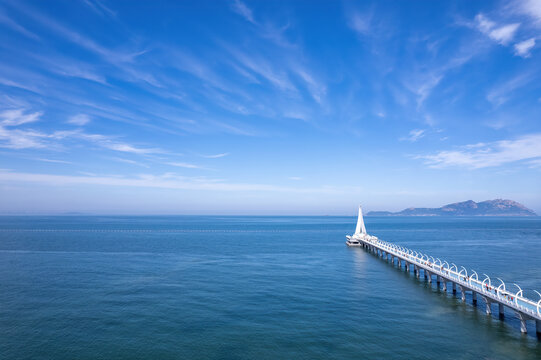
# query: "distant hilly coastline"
(498, 207)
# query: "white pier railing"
(525, 308)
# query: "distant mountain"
(498, 207)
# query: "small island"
(498, 207)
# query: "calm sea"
(254, 288)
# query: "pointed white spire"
(360, 229)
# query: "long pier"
(526, 309)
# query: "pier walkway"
(526, 309)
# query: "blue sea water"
(254, 288)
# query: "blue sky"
(267, 107)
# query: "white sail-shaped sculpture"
(360, 229)
(360, 232)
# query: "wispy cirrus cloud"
(531, 8)
(99, 8)
(14, 137)
(502, 92)
(122, 59)
(316, 89)
(360, 22)
(163, 181)
(502, 34)
(129, 161)
(414, 135)
(79, 119)
(524, 48)
(123, 147)
(264, 69)
(240, 8)
(185, 165)
(483, 155)
(55, 161)
(16, 117)
(215, 156)
(10, 23)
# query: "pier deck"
(526, 309)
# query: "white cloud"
(360, 23)
(128, 161)
(128, 148)
(215, 156)
(165, 181)
(19, 138)
(504, 34)
(7, 21)
(99, 8)
(264, 69)
(484, 24)
(28, 138)
(502, 92)
(531, 8)
(492, 154)
(16, 117)
(240, 8)
(185, 165)
(523, 48)
(79, 119)
(20, 85)
(501, 34)
(316, 89)
(54, 161)
(414, 135)
(425, 89)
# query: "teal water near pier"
(190, 287)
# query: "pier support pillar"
(538, 328)
(500, 310)
(444, 285)
(463, 293)
(426, 276)
(418, 272)
(474, 298)
(438, 281)
(407, 266)
(429, 277)
(488, 303)
(522, 319)
(454, 288)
